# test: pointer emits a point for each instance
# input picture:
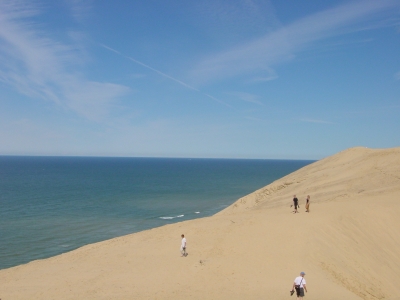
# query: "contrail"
(162, 74)
(150, 68)
(165, 75)
(219, 101)
(111, 49)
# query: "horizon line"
(155, 157)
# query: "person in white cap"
(300, 285)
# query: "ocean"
(51, 205)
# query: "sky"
(211, 79)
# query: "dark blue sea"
(51, 205)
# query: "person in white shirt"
(183, 246)
(300, 285)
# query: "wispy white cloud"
(137, 76)
(263, 79)
(80, 9)
(228, 20)
(269, 74)
(283, 44)
(247, 97)
(256, 119)
(92, 99)
(38, 66)
(315, 121)
(397, 76)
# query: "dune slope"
(348, 244)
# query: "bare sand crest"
(348, 244)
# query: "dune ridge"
(352, 166)
(348, 244)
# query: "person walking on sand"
(299, 285)
(295, 203)
(308, 203)
(183, 246)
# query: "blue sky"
(214, 78)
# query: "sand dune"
(349, 244)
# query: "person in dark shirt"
(295, 204)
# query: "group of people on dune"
(299, 284)
(296, 204)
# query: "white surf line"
(165, 75)
(170, 218)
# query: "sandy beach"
(348, 244)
